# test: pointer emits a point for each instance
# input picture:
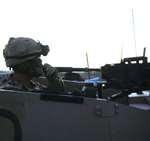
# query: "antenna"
(134, 32)
(144, 51)
(121, 54)
(87, 61)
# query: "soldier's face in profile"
(33, 68)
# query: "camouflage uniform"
(23, 56)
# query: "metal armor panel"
(45, 117)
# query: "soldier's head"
(23, 55)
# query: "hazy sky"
(73, 27)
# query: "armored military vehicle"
(64, 115)
(44, 116)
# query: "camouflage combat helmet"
(19, 50)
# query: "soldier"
(22, 55)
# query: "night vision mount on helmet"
(19, 50)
